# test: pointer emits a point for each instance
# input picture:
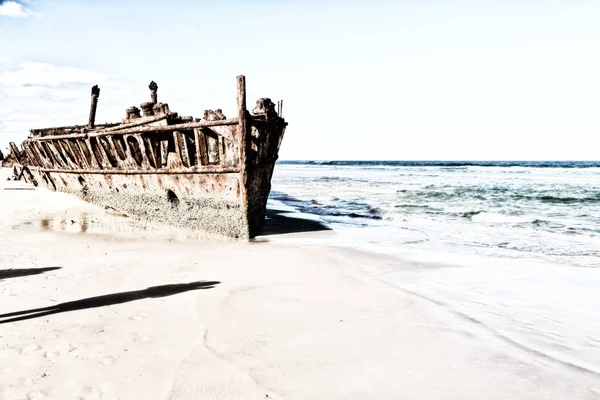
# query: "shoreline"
(125, 317)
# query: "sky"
(360, 80)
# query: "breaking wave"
(503, 164)
(335, 207)
(500, 218)
(469, 205)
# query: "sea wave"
(545, 198)
(332, 207)
(504, 164)
(544, 212)
(413, 206)
(501, 218)
(498, 193)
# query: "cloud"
(35, 74)
(35, 95)
(12, 9)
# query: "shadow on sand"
(278, 224)
(107, 300)
(16, 273)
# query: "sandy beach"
(94, 306)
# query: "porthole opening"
(172, 197)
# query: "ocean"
(543, 210)
(513, 248)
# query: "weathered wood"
(97, 153)
(149, 129)
(15, 152)
(244, 140)
(201, 151)
(39, 151)
(194, 170)
(29, 153)
(64, 149)
(144, 121)
(135, 150)
(164, 152)
(181, 148)
(72, 129)
(150, 150)
(212, 146)
(52, 146)
(85, 150)
(49, 154)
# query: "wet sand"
(94, 305)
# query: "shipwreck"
(211, 174)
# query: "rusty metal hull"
(212, 175)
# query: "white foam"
(501, 218)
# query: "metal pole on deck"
(95, 95)
(153, 89)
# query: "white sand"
(287, 321)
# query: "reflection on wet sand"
(111, 224)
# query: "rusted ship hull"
(212, 175)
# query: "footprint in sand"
(61, 350)
(29, 349)
(28, 381)
(74, 329)
(35, 395)
(73, 347)
(91, 394)
(65, 349)
(142, 339)
(138, 317)
(107, 362)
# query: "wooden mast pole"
(244, 144)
